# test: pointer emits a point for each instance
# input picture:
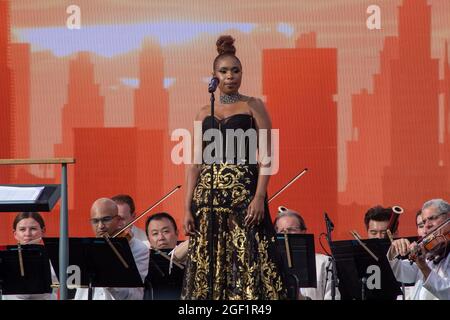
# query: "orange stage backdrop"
(367, 111)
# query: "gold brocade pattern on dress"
(245, 266)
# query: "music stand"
(36, 277)
(302, 272)
(98, 263)
(63, 221)
(354, 269)
(159, 284)
(44, 203)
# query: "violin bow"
(147, 210)
(287, 185)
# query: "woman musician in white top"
(29, 228)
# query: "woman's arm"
(192, 172)
(256, 208)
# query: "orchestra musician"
(164, 281)
(127, 212)
(290, 221)
(106, 221)
(29, 228)
(377, 221)
(430, 271)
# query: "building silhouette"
(415, 174)
(299, 85)
(6, 94)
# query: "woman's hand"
(188, 223)
(255, 212)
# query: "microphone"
(213, 84)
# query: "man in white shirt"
(127, 211)
(289, 221)
(162, 234)
(431, 278)
(409, 290)
(106, 220)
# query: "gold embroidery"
(244, 266)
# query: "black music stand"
(99, 264)
(302, 272)
(353, 263)
(44, 203)
(159, 284)
(36, 278)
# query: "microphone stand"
(330, 228)
(211, 215)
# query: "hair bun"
(225, 45)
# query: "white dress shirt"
(141, 256)
(323, 275)
(140, 235)
(435, 287)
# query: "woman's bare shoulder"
(256, 105)
(202, 113)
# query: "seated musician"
(409, 290)
(106, 220)
(162, 233)
(429, 271)
(419, 224)
(377, 220)
(127, 212)
(290, 221)
(29, 228)
(163, 281)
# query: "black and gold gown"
(245, 259)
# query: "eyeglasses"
(430, 218)
(103, 220)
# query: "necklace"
(230, 98)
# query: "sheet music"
(20, 193)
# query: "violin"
(435, 244)
(126, 234)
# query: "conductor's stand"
(163, 282)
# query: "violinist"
(162, 233)
(162, 283)
(127, 212)
(105, 220)
(430, 269)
